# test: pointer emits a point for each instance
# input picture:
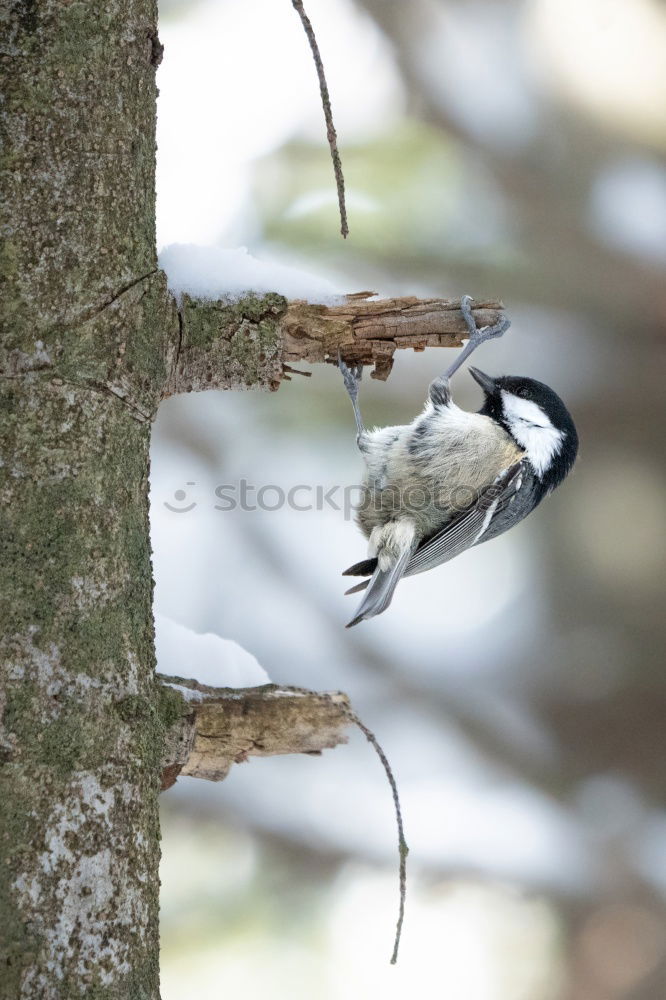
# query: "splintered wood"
(369, 331)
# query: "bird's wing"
(468, 527)
(459, 534)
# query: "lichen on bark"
(229, 345)
(79, 778)
(89, 333)
(91, 341)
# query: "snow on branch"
(213, 728)
(245, 321)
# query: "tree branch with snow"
(231, 337)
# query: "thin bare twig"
(328, 114)
(403, 849)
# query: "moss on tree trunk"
(87, 337)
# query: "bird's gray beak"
(485, 381)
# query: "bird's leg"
(352, 378)
(476, 336)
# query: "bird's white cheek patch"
(524, 410)
(532, 429)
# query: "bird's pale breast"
(432, 468)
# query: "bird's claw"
(490, 332)
(478, 335)
(351, 376)
(466, 310)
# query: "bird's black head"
(537, 420)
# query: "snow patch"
(189, 694)
(206, 658)
(217, 273)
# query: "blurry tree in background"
(496, 147)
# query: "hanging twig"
(403, 849)
(328, 114)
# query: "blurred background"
(510, 148)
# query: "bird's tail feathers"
(380, 588)
(366, 567)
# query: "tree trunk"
(87, 327)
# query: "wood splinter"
(368, 331)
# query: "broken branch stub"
(213, 728)
(254, 341)
(219, 727)
(369, 331)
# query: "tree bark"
(87, 335)
(224, 344)
(213, 728)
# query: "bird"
(452, 479)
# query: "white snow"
(189, 694)
(205, 657)
(220, 273)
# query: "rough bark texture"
(227, 345)
(370, 332)
(214, 728)
(251, 341)
(88, 331)
(91, 342)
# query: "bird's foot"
(479, 335)
(351, 377)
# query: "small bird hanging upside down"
(453, 479)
